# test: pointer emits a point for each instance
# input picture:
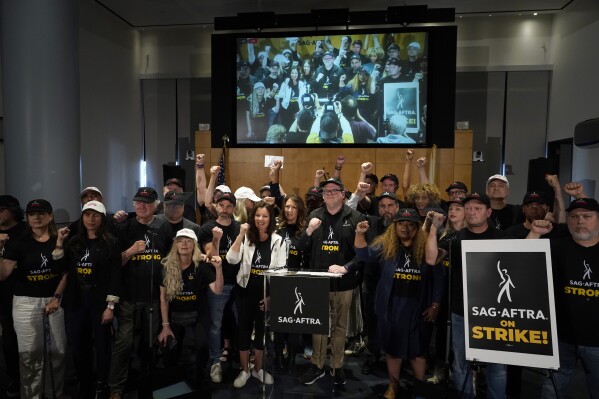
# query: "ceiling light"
(535, 14)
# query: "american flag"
(222, 163)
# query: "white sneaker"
(241, 379)
(216, 373)
(263, 375)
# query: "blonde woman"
(183, 301)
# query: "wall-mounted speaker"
(586, 134)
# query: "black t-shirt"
(230, 233)
(193, 294)
(330, 245)
(37, 274)
(87, 261)
(507, 216)
(407, 278)
(261, 258)
(142, 274)
(295, 257)
(455, 249)
(576, 287)
(15, 234)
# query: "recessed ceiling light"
(490, 15)
(535, 14)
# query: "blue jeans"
(496, 373)
(568, 356)
(217, 303)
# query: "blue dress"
(405, 290)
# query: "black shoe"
(312, 374)
(368, 366)
(338, 376)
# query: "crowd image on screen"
(292, 82)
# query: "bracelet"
(337, 167)
(59, 247)
(166, 324)
(198, 166)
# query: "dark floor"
(175, 384)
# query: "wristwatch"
(110, 306)
(58, 296)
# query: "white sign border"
(505, 357)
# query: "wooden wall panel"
(245, 166)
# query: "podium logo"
(299, 302)
(505, 284)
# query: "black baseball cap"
(173, 196)
(314, 192)
(476, 196)
(390, 176)
(221, 196)
(393, 61)
(387, 194)
(457, 185)
(535, 196)
(589, 204)
(8, 201)
(145, 194)
(332, 180)
(407, 214)
(38, 205)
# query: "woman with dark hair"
(290, 94)
(38, 261)
(183, 298)
(94, 265)
(408, 295)
(292, 223)
(258, 248)
(307, 73)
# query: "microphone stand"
(150, 365)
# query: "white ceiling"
(146, 13)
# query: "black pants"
(86, 332)
(9, 336)
(249, 314)
(370, 319)
(200, 338)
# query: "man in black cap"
(329, 239)
(12, 228)
(393, 51)
(394, 72)
(216, 237)
(535, 206)
(477, 209)
(456, 190)
(326, 78)
(575, 261)
(390, 184)
(174, 205)
(176, 185)
(245, 81)
(147, 240)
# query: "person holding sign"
(408, 295)
(574, 259)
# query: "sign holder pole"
(471, 365)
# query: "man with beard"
(535, 206)
(387, 209)
(326, 78)
(174, 206)
(216, 237)
(575, 261)
(477, 209)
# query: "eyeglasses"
(331, 192)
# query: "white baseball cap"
(223, 188)
(498, 177)
(246, 192)
(187, 233)
(94, 206)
